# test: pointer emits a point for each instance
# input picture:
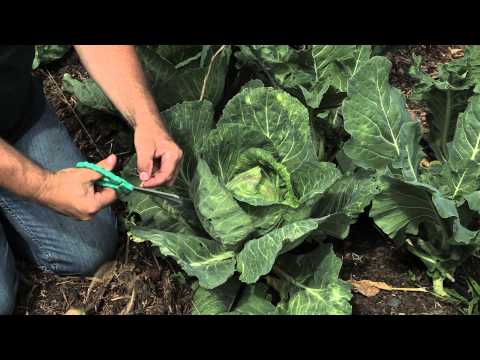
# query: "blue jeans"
(54, 242)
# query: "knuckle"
(90, 210)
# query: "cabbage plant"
(254, 190)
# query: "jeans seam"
(51, 266)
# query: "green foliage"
(45, 54)
(421, 208)
(470, 304)
(176, 73)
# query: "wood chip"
(75, 311)
(370, 288)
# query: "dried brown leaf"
(371, 288)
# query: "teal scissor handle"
(109, 179)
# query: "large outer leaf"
(281, 118)
(266, 218)
(88, 93)
(254, 301)
(349, 196)
(189, 124)
(259, 255)
(338, 63)
(203, 258)
(445, 97)
(326, 55)
(466, 142)
(311, 182)
(461, 174)
(411, 153)
(402, 205)
(158, 214)
(215, 301)
(152, 211)
(457, 182)
(170, 83)
(314, 178)
(280, 63)
(217, 210)
(374, 113)
(45, 54)
(310, 285)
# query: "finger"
(166, 171)
(105, 197)
(108, 164)
(145, 156)
(175, 175)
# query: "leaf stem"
(207, 76)
(446, 123)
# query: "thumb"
(145, 161)
(108, 164)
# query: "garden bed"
(140, 282)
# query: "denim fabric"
(55, 243)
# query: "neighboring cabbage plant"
(432, 209)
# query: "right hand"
(72, 192)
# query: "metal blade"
(164, 195)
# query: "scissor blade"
(161, 194)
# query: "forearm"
(20, 175)
(117, 70)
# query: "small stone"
(394, 302)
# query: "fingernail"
(144, 176)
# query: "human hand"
(72, 192)
(158, 156)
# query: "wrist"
(152, 124)
(43, 191)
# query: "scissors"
(119, 184)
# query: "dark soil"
(139, 282)
(368, 255)
(135, 283)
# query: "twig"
(129, 307)
(156, 261)
(75, 114)
(127, 245)
(205, 80)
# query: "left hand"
(158, 156)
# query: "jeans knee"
(7, 300)
(86, 259)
